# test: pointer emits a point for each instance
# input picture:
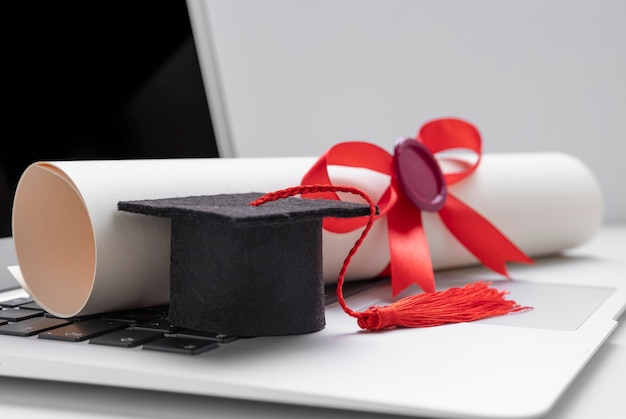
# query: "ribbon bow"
(418, 184)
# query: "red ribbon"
(410, 261)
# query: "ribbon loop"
(351, 154)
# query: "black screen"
(96, 79)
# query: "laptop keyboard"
(146, 328)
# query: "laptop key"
(132, 316)
(31, 306)
(181, 345)
(160, 324)
(127, 338)
(15, 302)
(31, 326)
(16, 314)
(218, 337)
(80, 331)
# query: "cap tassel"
(455, 305)
(471, 302)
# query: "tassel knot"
(377, 318)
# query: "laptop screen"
(100, 80)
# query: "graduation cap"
(246, 270)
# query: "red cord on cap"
(455, 305)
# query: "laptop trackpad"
(557, 307)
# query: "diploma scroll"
(78, 254)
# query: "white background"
(300, 76)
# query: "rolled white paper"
(79, 255)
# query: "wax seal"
(419, 174)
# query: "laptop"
(447, 371)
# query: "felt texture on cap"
(246, 270)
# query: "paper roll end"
(54, 240)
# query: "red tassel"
(455, 305)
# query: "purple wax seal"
(419, 174)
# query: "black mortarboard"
(246, 270)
